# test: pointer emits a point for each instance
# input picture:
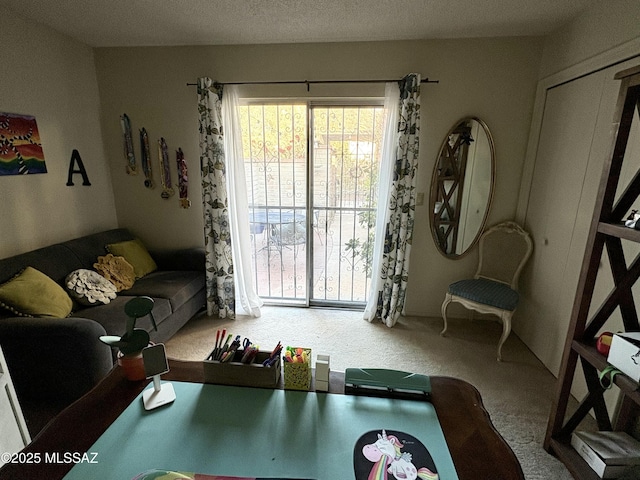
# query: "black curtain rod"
(309, 82)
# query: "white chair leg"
(471, 315)
(506, 330)
(447, 301)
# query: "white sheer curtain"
(246, 296)
(389, 146)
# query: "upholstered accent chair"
(504, 250)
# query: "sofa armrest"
(185, 259)
(56, 359)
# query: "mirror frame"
(434, 183)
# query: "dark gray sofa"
(54, 361)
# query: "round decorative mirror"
(462, 187)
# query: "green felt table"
(242, 431)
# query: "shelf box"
(625, 354)
(243, 374)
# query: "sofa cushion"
(88, 248)
(54, 261)
(176, 286)
(114, 320)
(136, 254)
(32, 293)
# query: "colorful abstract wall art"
(20, 149)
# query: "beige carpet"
(517, 392)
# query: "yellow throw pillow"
(117, 270)
(31, 293)
(136, 254)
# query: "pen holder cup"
(297, 376)
(243, 374)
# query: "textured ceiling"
(102, 23)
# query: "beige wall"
(52, 77)
(493, 79)
(602, 27)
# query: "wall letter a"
(75, 157)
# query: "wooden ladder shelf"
(607, 230)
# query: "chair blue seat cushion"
(486, 292)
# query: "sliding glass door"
(312, 173)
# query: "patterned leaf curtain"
(219, 264)
(391, 268)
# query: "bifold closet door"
(557, 199)
(575, 140)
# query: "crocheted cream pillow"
(90, 288)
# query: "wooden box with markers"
(242, 363)
(235, 372)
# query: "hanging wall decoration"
(183, 179)
(165, 173)
(20, 149)
(145, 158)
(75, 159)
(129, 154)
